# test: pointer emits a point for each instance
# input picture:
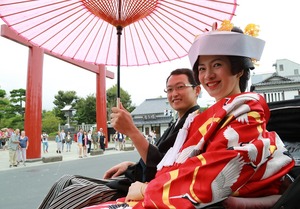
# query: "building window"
(296, 72)
(281, 68)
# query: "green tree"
(17, 98)
(86, 110)
(62, 99)
(50, 121)
(4, 103)
(14, 122)
(2, 93)
(111, 97)
(12, 110)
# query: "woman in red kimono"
(226, 150)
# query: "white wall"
(288, 66)
(290, 94)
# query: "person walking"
(44, 139)
(58, 142)
(121, 141)
(80, 143)
(13, 144)
(5, 137)
(23, 146)
(63, 139)
(1, 139)
(89, 141)
(153, 133)
(116, 141)
(84, 143)
(69, 141)
(95, 140)
(101, 139)
(149, 138)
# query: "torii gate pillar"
(101, 101)
(33, 110)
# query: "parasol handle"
(118, 102)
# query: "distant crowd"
(87, 140)
(17, 143)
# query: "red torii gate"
(33, 108)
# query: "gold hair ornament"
(250, 30)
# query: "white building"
(284, 84)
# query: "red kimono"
(226, 150)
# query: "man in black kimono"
(73, 191)
(182, 93)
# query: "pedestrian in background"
(13, 144)
(89, 141)
(84, 143)
(5, 137)
(69, 140)
(95, 140)
(24, 143)
(58, 142)
(149, 138)
(121, 141)
(44, 138)
(63, 139)
(115, 137)
(1, 139)
(153, 137)
(101, 139)
(80, 143)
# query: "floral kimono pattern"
(226, 150)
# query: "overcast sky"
(278, 21)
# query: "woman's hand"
(117, 170)
(136, 191)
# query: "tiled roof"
(151, 112)
(152, 106)
(278, 80)
(260, 77)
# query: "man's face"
(181, 99)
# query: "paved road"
(25, 187)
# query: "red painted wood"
(33, 108)
(101, 101)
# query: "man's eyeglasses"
(178, 87)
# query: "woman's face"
(216, 77)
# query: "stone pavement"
(73, 155)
